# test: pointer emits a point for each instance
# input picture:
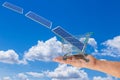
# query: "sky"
(27, 48)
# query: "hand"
(77, 62)
(109, 67)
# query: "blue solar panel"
(13, 7)
(33, 16)
(68, 37)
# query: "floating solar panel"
(68, 37)
(37, 18)
(13, 7)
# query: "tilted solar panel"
(13, 7)
(37, 18)
(68, 37)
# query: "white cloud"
(63, 72)
(10, 57)
(112, 47)
(22, 76)
(92, 42)
(35, 74)
(44, 51)
(115, 42)
(104, 78)
(6, 78)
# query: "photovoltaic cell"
(68, 37)
(37, 18)
(13, 7)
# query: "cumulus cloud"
(62, 72)
(44, 51)
(36, 74)
(10, 57)
(115, 42)
(22, 76)
(104, 78)
(92, 42)
(112, 47)
(6, 78)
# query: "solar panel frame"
(76, 43)
(39, 19)
(13, 7)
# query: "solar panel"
(35, 17)
(68, 37)
(13, 7)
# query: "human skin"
(109, 67)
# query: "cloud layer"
(36, 74)
(22, 76)
(6, 78)
(62, 72)
(112, 47)
(44, 51)
(10, 57)
(104, 78)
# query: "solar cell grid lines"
(68, 37)
(13, 7)
(37, 18)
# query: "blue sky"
(25, 39)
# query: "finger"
(57, 58)
(68, 61)
(71, 58)
(82, 61)
(73, 61)
(60, 60)
(74, 58)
